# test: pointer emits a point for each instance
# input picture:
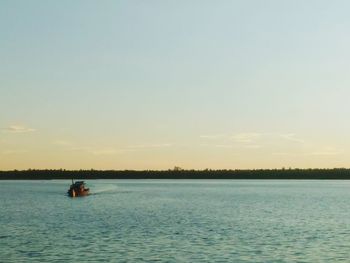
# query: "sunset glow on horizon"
(157, 84)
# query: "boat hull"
(74, 193)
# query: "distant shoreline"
(262, 174)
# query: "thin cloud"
(326, 153)
(251, 140)
(95, 150)
(247, 140)
(282, 154)
(253, 146)
(323, 152)
(212, 137)
(12, 152)
(18, 129)
(104, 151)
(79, 149)
(226, 146)
(150, 146)
(246, 137)
(62, 142)
(291, 137)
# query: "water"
(176, 221)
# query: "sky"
(240, 84)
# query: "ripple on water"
(182, 221)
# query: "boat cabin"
(78, 189)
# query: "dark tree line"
(310, 174)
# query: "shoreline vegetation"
(178, 173)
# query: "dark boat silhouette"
(78, 189)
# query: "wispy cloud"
(95, 150)
(213, 136)
(105, 151)
(230, 146)
(291, 137)
(62, 142)
(238, 140)
(71, 147)
(246, 137)
(12, 152)
(326, 152)
(253, 146)
(18, 129)
(227, 146)
(281, 154)
(150, 146)
(112, 151)
(79, 149)
(251, 140)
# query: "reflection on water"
(174, 221)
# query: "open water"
(176, 221)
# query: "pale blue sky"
(153, 84)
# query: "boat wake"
(105, 189)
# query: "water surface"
(176, 221)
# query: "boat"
(78, 189)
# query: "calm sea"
(176, 221)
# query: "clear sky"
(154, 84)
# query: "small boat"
(78, 189)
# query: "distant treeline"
(306, 174)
